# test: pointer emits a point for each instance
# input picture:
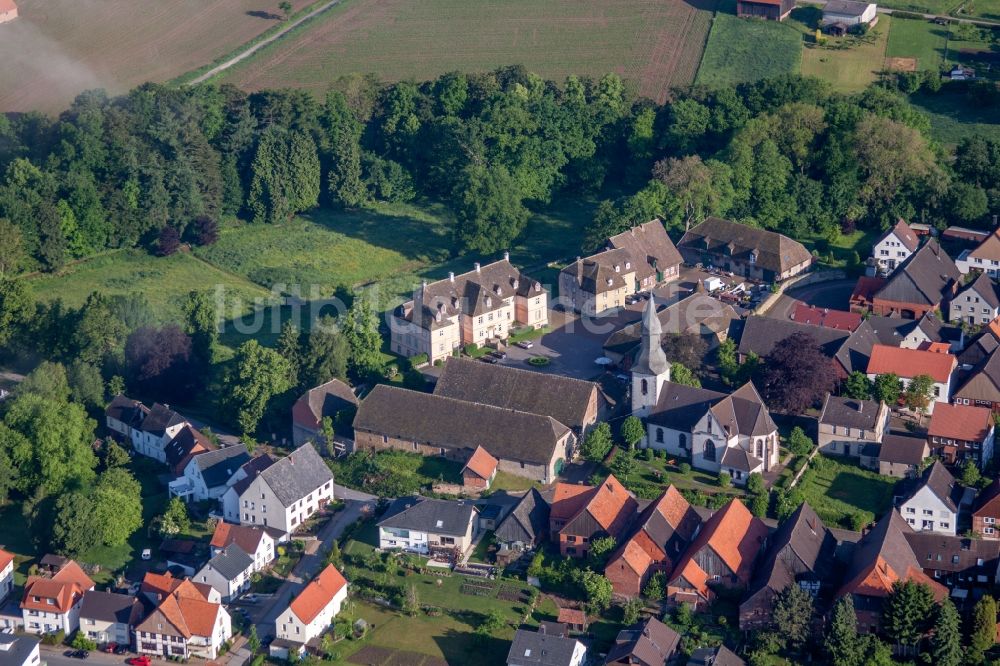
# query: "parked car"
(79, 654)
(498, 355)
(111, 647)
(141, 660)
(525, 344)
(250, 598)
(487, 359)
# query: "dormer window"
(628, 265)
(618, 269)
(489, 302)
(609, 282)
(753, 257)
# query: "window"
(645, 386)
(928, 512)
(682, 440)
(989, 520)
(709, 450)
(988, 530)
(659, 435)
(947, 526)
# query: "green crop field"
(164, 281)
(853, 68)
(656, 43)
(923, 40)
(741, 50)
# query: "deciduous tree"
(797, 374)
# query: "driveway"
(835, 295)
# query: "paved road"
(929, 17)
(53, 656)
(835, 295)
(243, 55)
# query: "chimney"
(477, 266)
(451, 276)
(506, 255)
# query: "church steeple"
(651, 368)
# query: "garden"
(843, 494)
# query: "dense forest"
(161, 165)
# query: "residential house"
(334, 400)
(207, 476)
(882, 557)
(976, 304)
(478, 473)
(898, 243)
(981, 386)
(662, 533)
(241, 480)
(723, 554)
(986, 511)
(288, 492)
(960, 563)
(575, 403)
(526, 526)
(922, 284)
(909, 363)
(580, 514)
(6, 575)
(715, 656)
(257, 542)
(696, 315)
(915, 333)
(228, 571)
(148, 429)
(981, 345)
(901, 456)
(424, 525)
(719, 433)
(157, 587)
(477, 307)
(18, 650)
(800, 552)
(985, 258)
(314, 608)
(534, 446)
(633, 261)
(184, 446)
(962, 432)
(538, 648)
(933, 503)
(769, 10)
(649, 643)
(107, 617)
(52, 603)
(184, 624)
(760, 335)
(749, 251)
(847, 425)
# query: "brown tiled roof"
(128, 411)
(648, 643)
(965, 422)
(602, 272)
(985, 499)
(940, 482)
(866, 288)
(810, 314)
(984, 380)
(983, 287)
(911, 362)
(186, 444)
(565, 399)
(698, 313)
(456, 424)
(680, 406)
(482, 464)
(804, 534)
(743, 412)
(775, 252)
(882, 557)
(989, 249)
(850, 412)
(662, 532)
(649, 246)
(318, 594)
(572, 616)
(954, 553)
(247, 537)
(159, 418)
(610, 505)
(926, 278)
(902, 230)
(902, 449)
(324, 400)
(761, 334)
(735, 535)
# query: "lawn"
(655, 43)
(923, 40)
(941, 7)
(984, 9)
(59, 48)
(742, 50)
(841, 489)
(656, 474)
(954, 118)
(164, 281)
(850, 64)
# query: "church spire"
(651, 361)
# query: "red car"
(110, 647)
(141, 660)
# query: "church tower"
(651, 368)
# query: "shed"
(849, 13)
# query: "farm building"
(770, 10)
(849, 13)
(8, 11)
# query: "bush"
(725, 480)
(81, 642)
(539, 361)
(647, 454)
(471, 349)
(684, 467)
(54, 638)
(417, 360)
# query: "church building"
(717, 432)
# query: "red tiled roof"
(245, 536)
(809, 314)
(609, 501)
(572, 616)
(736, 536)
(5, 559)
(911, 362)
(482, 464)
(695, 576)
(964, 422)
(64, 588)
(318, 594)
(568, 499)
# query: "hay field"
(58, 48)
(657, 43)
